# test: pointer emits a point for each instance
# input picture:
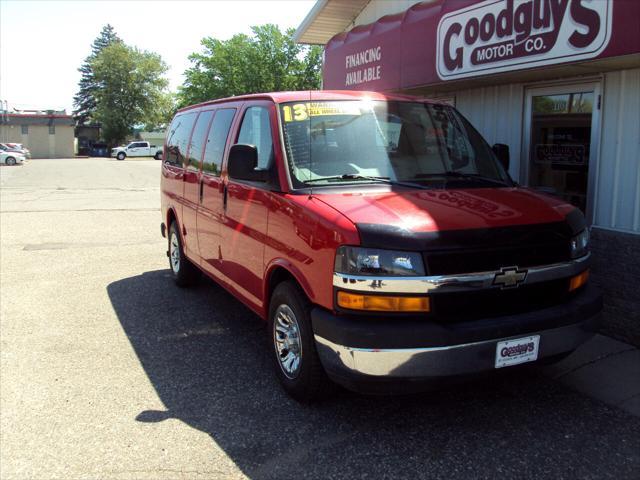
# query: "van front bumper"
(371, 353)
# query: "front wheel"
(184, 272)
(121, 156)
(10, 161)
(297, 363)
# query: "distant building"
(47, 134)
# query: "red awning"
(449, 40)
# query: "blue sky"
(42, 43)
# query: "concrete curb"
(605, 369)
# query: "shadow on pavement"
(206, 356)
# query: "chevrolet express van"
(379, 236)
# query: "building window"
(25, 129)
(52, 129)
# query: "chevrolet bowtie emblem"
(509, 277)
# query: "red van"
(379, 236)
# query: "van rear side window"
(217, 140)
(197, 140)
(178, 138)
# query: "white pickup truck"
(137, 149)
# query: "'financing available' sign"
(503, 35)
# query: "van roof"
(311, 95)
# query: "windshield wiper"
(461, 175)
(356, 176)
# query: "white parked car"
(137, 149)
(11, 158)
(18, 147)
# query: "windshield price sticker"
(300, 112)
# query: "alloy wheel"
(286, 336)
(174, 252)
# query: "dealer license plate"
(519, 350)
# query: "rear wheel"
(158, 156)
(184, 272)
(121, 156)
(297, 363)
(10, 161)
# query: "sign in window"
(560, 145)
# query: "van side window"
(256, 130)
(197, 140)
(217, 140)
(178, 138)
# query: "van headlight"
(375, 261)
(580, 244)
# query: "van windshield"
(361, 141)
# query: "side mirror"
(243, 160)
(502, 152)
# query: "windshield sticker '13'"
(300, 112)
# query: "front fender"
(293, 271)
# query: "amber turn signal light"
(579, 280)
(380, 303)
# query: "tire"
(10, 161)
(158, 156)
(184, 272)
(121, 156)
(291, 336)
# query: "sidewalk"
(604, 369)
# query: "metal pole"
(6, 113)
(4, 119)
(5, 130)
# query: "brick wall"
(616, 269)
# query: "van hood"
(452, 209)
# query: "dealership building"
(558, 81)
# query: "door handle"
(201, 189)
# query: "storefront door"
(561, 126)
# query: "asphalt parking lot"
(110, 371)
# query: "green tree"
(268, 60)
(160, 116)
(131, 89)
(84, 102)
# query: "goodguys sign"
(502, 35)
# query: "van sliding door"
(211, 192)
(192, 184)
